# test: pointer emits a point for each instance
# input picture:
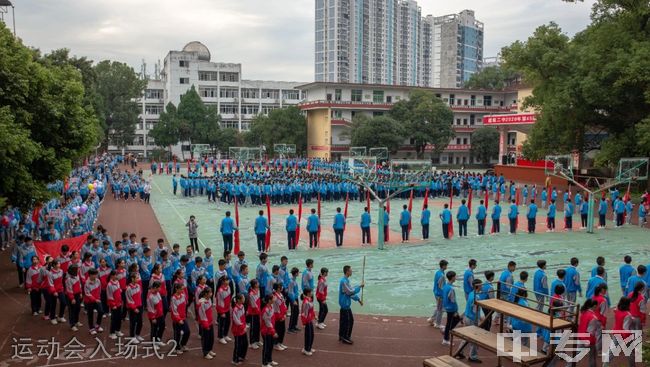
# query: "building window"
(487, 100)
(153, 109)
(208, 75)
(457, 140)
(228, 108)
(229, 77)
(378, 96)
(228, 93)
(464, 121)
(229, 124)
(337, 94)
(464, 102)
(250, 109)
(291, 94)
(471, 119)
(184, 63)
(472, 100)
(185, 80)
(357, 95)
(153, 93)
(457, 121)
(389, 99)
(270, 93)
(377, 113)
(452, 99)
(464, 140)
(208, 92)
(250, 93)
(267, 108)
(337, 114)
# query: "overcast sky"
(272, 39)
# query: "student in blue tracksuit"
(532, 216)
(496, 217)
(540, 284)
(640, 275)
(519, 325)
(595, 281)
(404, 220)
(561, 276)
(506, 280)
(487, 292)
(568, 215)
(313, 224)
(520, 284)
(365, 226)
(424, 221)
(550, 217)
(347, 294)
(339, 227)
(602, 212)
(512, 217)
(462, 215)
(386, 219)
(261, 226)
(291, 227)
(450, 305)
(468, 278)
(472, 316)
(619, 209)
(600, 261)
(625, 272)
(445, 217)
(481, 214)
(572, 281)
(584, 212)
(227, 229)
(438, 284)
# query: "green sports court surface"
(399, 279)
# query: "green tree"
(227, 138)
(118, 86)
(595, 82)
(491, 77)
(425, 120)
(281, 126)
(485, 144)
(45, 123)
(380, 131)
(165, 132)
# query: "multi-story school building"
(219, 84)
(330, 108)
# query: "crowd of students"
(556, 296)
(127, 280)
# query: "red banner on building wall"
(514, 119)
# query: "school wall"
(530, 175)
(318, 133)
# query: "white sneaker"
(223, 341)
(100, 329)
(134, 340)
(283, 346)
(274, 363)
(306, 353)
(320, 326)
(74, 328)
(140, 339)
(93, 332)
(212, 353)
(79, 324)
(62, 319)
(254, 346)
(112, 336)
(35, 314)
(278, 348)
(260, 343)
(228, 339)
(445, 342)
(208, 356)
(54, 322)
(324, 325)
(119, 333)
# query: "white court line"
(176, 210)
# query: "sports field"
(399, 278)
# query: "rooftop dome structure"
(199, 48)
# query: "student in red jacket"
(600, 294)
(43, 277)
(133, 301)
(321, 296)
(73, 295)
(623, 324)
(157, 276)
(64, 258)
(280, 311)
(178, 309)
(253, 311)
(307, 317)
(93, 301)
(155, 312)
(638, 306)
(114, 299)
(204, 317)
(103, 273)
(223, 309)
(33, 285)
(239, 329)
(268, 330)
(56, 292)
(590, 329)
(122, 275)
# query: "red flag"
(299, 218)
(318, 217)
(53, 248)
(450, 226)
(236, 235)
(410, 207)
(469, 202)
(66, 185)
(426, 198)
(36, 215)
(309, 166)
(268, 232)
(345, 211)
(487, 198)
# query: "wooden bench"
(488, 340)
(443, 361)
(524, 313)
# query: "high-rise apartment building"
(389, 42)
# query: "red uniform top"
(32, 278)
(254, 302)
(321, 289)
(601, 310)
(178, 307)
(204, 313)
(197, 293)
(223, 299)
(184, 283)
(103, 273)
(307, 314)
(72, 286)
(637, 307)
(44, 278)
(133, 296)
(268, 320)
(55, 281)
(159, 278)
(154, 306)
(279, 306)
(64, 262)
(84, 268)
(622, 322)
(92, 291)
(238, 320)
(121, 278)
(114, 294)
(587, 326)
